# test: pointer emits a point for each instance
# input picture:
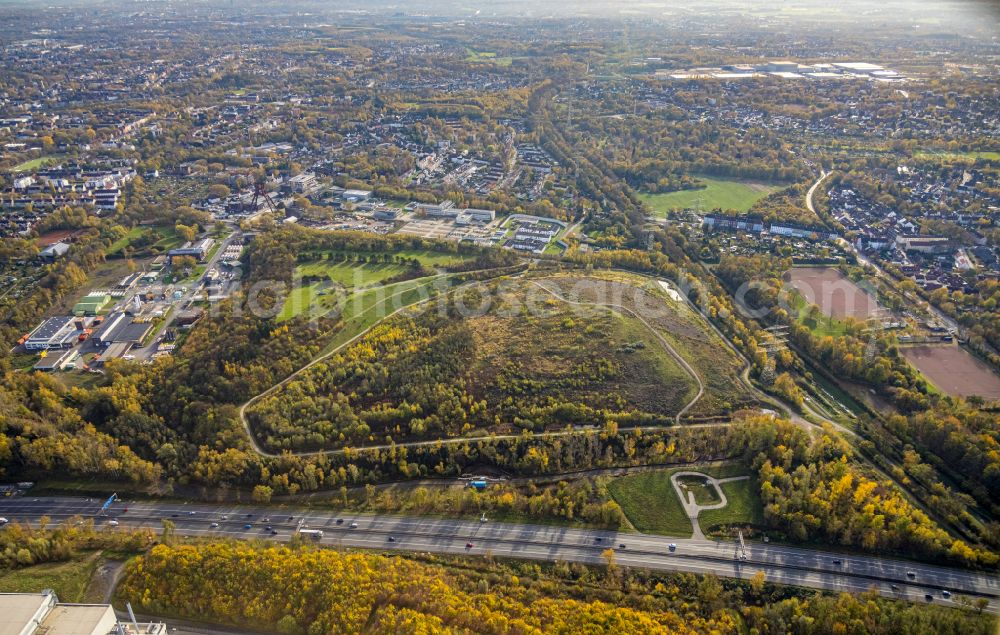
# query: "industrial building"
(198, 251)
(120, 327)
(53, 252)
(58, 360)
(91, 304)
(57, 332)
(43, 614)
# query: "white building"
(43, 614)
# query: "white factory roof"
(858, 66)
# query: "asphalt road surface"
(781, 564)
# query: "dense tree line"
(812, 490)
(22, 545)
(313, 591)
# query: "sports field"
(721, 193)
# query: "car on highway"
(837, 562)
(274, 532)
(113, 523)
(598, 539)
(225, 517)
(3, 521)
(214, 525)
(192, 513)
(672, 546)
(946, 594)
(340, 521)
(621, 546)
(248, 526)
(894, 587)
(911, 574)
(469, 545)
(249, 515)
(928, 597)
(354, 525)
(174, 515)
(392, 539)
(268, 528)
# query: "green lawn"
(743, 506)
(167, 238)
(651, 504)
(821, 325)
(726, 194)
(951, 156)
(366, 308)
(68, 579)
(487, 56)
(703, 493)
(351, 274)
(33, 164)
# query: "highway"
(781, 564)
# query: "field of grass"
(366, 308)
(952, 156)
(320, 298)
(68, 579)
(166, 238)
(820, 325)
(683, 328)
(426, 257)
(651, 504)
(351, 275)
(743, 506)
(726, 194)
(704, 494)
(33, 164)
(487, 56)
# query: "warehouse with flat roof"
(56, 332)
(43, 614)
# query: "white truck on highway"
(315, 534)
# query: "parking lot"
(447, 230)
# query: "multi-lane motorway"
(781, 564)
